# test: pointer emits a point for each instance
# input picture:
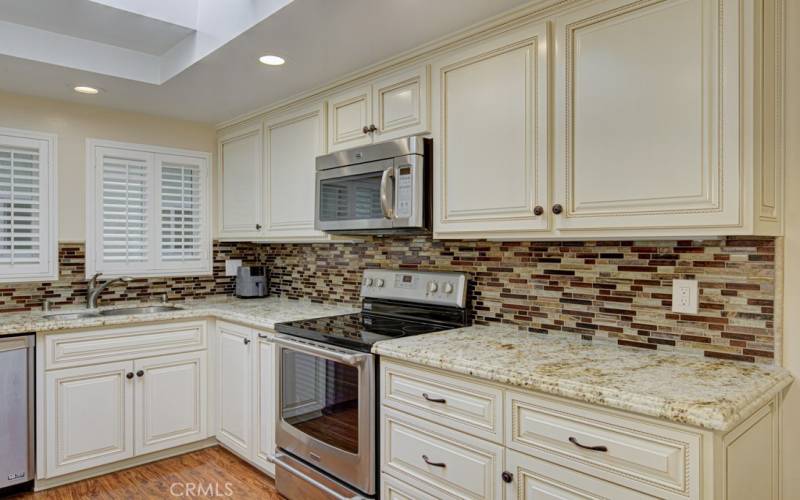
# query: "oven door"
(326, 409)
(380, 195)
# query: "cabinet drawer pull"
(433, 464)
(433, 400)
(593, 448)
(262, 336)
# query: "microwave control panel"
(405, 192)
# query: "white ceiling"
(321, 40)
(93, 21)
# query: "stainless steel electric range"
(328, 387)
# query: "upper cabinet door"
(647, 115)
(241, 183)
(349, 118)
(400, 104)
(490, 136)
(293, 141)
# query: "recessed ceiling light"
(83, 89)
(272, 60)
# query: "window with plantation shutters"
(149, 213)
(181, 216)
(28, 243)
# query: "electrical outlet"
(232, 266)
(684, 296)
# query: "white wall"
(791, 296)
(73, 123)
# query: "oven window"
(319, 397)
(351, 198)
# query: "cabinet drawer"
(394, 489)
(438, 459)
(658, 459)
(535, 479)
(103, 346)
(466, 406)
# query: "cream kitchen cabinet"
(89, 418)
(234, 385)
(292, 141)
(246, 392)
(659, 137)
(393, 106)
(240, 183)
(490, 129)
(444, 437)
(107, 395)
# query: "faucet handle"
(93, 279)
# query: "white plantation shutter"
(27, 247)
(150, 215)
(181, 210)
(125, 212)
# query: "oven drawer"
(466, 406)
(444, 462)
(654, 458)
(116, 344)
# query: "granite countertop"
(713, 394)
(256, 313)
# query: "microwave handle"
(386, 208)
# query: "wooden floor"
(209, 473)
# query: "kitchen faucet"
(94, 290)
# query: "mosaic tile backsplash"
(70, 289)
(615, 289)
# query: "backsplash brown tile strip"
(70, 289)
(616, 289)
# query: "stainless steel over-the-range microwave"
(376, 189)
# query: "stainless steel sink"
(138, 310)
(72, 315)
(127, 311)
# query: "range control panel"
(448, 289)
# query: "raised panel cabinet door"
(89, 417)
(647, 115)
(348, 113)
(535, 479)
(400, 104)
(234, 386)
(171, 401)
(293, 141)
(241, 184)
(264, 410)
(490, 135)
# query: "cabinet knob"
(365, 129)
(246, 341)
(140, 373)
(557, 209)
(129, 375)
(538, 210)
(507, 476)
(373, 128)
(258, 227)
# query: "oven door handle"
(386, 208)
(313, 349)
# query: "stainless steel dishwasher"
(16, 411)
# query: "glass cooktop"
(357, 331)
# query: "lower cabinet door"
(394, 489)
(171, 401)
(89, 417)
(264, 407)
(535, 479)
(234, 386)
